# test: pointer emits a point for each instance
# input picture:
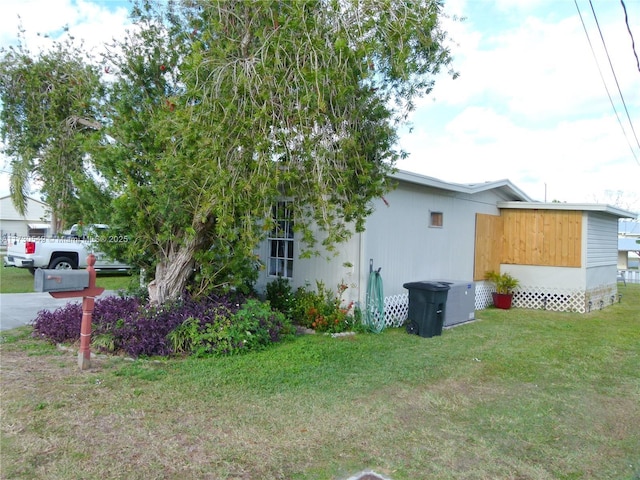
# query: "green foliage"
(280, 295)
(221, 269)
(215, 338)
(323, 310)
(220, 109)
(214, 111)
(503, 282)
(185, 336)
(134, 289)
(49, 103)
(253, 327)
(256, 325)
(104, 341)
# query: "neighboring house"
(629, 227)
(427, 229)
(36, 222)
(629, 251)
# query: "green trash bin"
(427, 303)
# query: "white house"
(427, 229)
(628, 244)
(36, 221)
(629, 251)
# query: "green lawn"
(518, 394)
(19, 280)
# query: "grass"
(518, 394)
(19, 280)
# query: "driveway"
(18, 309)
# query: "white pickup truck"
(69, 252)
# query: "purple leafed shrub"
(60, 325)
(109, 310)
(63, 324)
(134, 328)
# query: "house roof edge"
(469, 188)
(28, 198)
(589, 207)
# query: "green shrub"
(185, 336)
(322, 310)
(254, 326)
(215, 338)
(303, 301)
(280, 296)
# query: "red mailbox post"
(88, 301)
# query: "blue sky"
(529, 104)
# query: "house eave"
(588, 207)
(471, 188)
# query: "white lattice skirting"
(396, 307)
(554, 299)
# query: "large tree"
(218, 109)
(49, 101)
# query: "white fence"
(629, 276)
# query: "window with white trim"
(281, 241)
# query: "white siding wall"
(12, 223)
(602, 240)
(328, 268)
(19, 228)
(602, 259)
(400, 241)
(535, 276)
(605, 275)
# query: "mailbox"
(46, 280)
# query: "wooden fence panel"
(488, 245)
(542, 237)
(527, 237)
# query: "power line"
(615, 77)
(624, 132)
(633, 43)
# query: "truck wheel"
(63, 263)
(32, 270)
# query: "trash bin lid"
(427, 285)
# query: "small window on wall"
(435, 219)
(281, 242)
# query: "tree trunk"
(172, 273)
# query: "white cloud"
(578, 161)
(43, 21)
(537, 68)
(530, 104)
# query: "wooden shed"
(564, 255)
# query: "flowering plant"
(325, 311)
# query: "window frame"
(280, 241)
(436, 219)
